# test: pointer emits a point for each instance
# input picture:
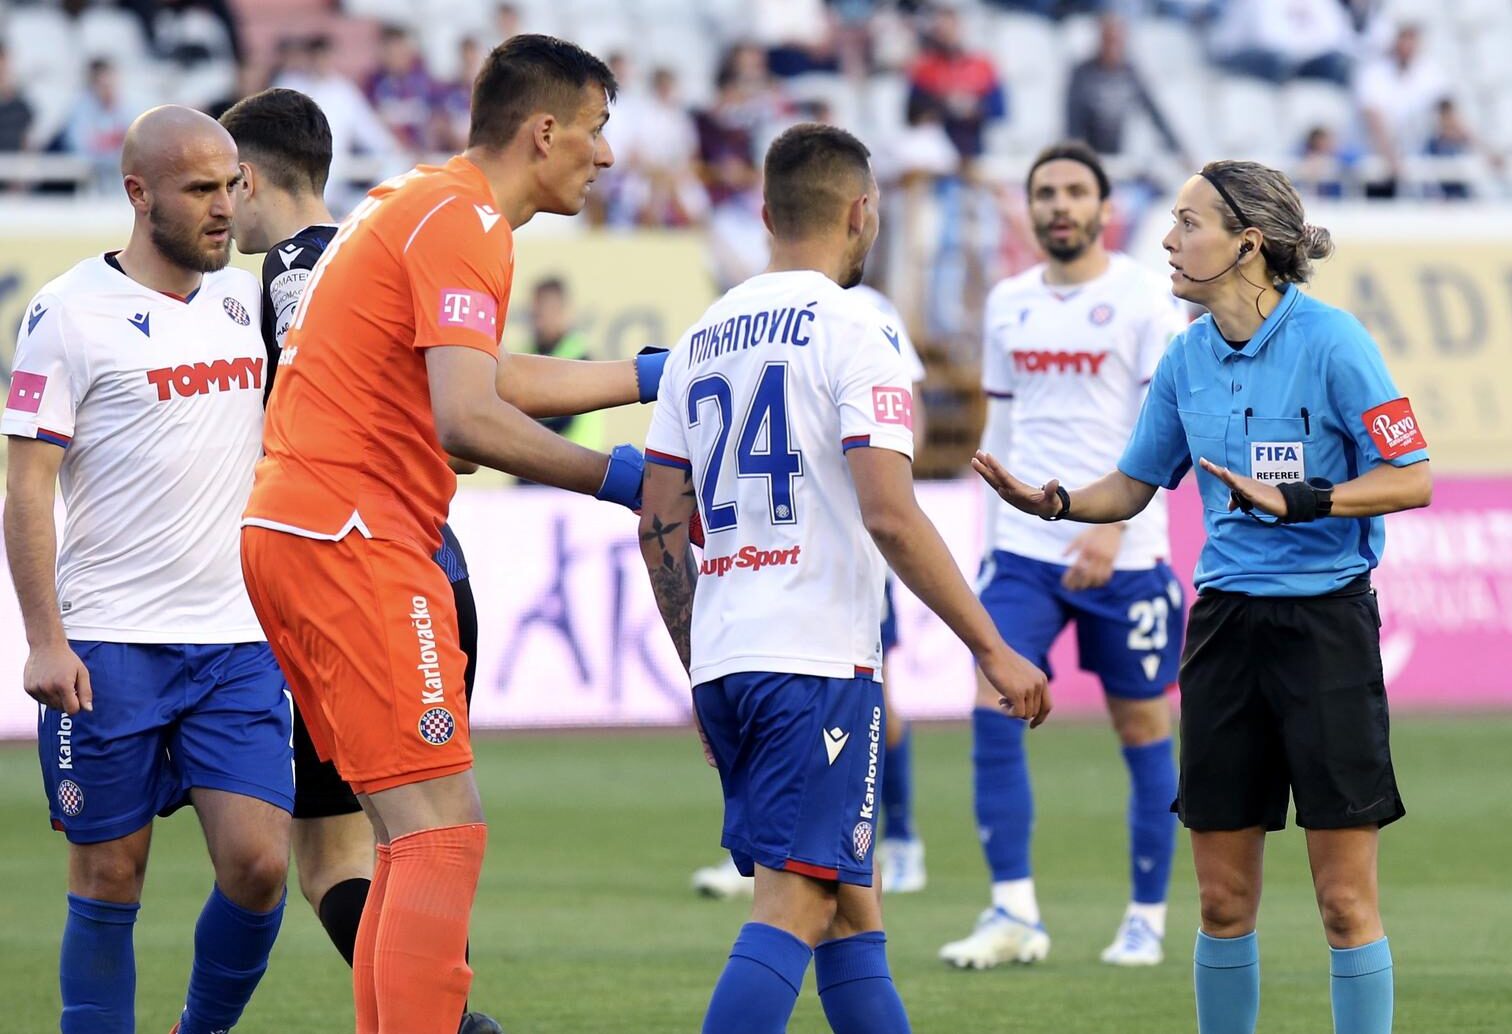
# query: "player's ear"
(248, 185)
(543, 130)
(856, 215)
(766, 220)
(137, 193)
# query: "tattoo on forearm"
(659, 531)
(673, 583)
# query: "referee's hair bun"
(1316, 242)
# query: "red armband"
(1394, 429)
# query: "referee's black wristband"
(1301, 502)
(1065, 501)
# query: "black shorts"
(319, 792)
(1285, 694)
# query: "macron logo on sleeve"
(26, 392)
(471, 309)
(893, 406)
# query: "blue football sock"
(897, 789)
(1362, 988)
(1004, 801)
(97, 968)
(1152, 826)
(856, 988)
(759, 986)
(1227, 974)
(231, 947)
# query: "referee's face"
(1199, 245)
(1067, 212)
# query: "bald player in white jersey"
(784, 419)
(138, 382)
(1068, 349)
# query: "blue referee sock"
(856, 988)
(1004, 801)
(897, 789)
(1152, 826)
(1362, 988)
(231, 947)
(1227, 975)
(97, 968)
(759, 986)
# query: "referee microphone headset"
(1244, 249)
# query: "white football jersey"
(158, 404)
(879, 301)
(760, 401)
(1073, 363)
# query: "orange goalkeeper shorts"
(365, 631)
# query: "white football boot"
(1135, 944)
(902, 864)
(723, 881)
(998, 938)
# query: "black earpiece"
(1246, 248)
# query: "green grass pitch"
(585, 924)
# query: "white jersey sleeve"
(997, 369)
(873, 391)
(1166, 319)
(47, 381)
(897, 330)
(667, 437)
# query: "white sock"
(1016, 897)
(1153, 915)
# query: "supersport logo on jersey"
(749, 558)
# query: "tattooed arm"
(666, 510)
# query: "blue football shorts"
(1128, 632)
(889, 617)
(166, 718)
(800, 760)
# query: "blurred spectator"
(507, 23)
(656, 149)
(1398, 95)
(961, 85)
(1451, 138)
(399, 89)
(798, 36)
(15, 113)
(1105, 90)
(158, 18)
(355, 127)
(553, 332)
(1322, 165)
(1278, 40)
(1055, 8)
(97, 125)
(922, 150)
(747, 113)
(451, 105)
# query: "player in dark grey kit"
(285, 151)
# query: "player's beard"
(1075, 247)
(853, 277)
(186, 247)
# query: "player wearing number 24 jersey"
(787, 410)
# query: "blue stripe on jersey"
(449, 557)
(666, 459)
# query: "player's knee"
(254, 878)
(107, 872)
(1142, 722)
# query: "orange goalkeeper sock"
(364, 987)
(421, 969)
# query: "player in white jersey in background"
(138, 381)
(1069, 347)
(786, 411)
(901, 851)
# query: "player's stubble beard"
(184, 247)
(1073, 249)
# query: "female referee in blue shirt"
(1303, 443)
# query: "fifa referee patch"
(1394, 429)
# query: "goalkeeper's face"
(577, 151)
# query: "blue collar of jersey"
(1223, 351)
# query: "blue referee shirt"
(1308, 396)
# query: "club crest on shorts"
(70, 798)
(236, 310)
(861, 840)
(437, 726)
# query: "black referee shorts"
(1285, 695)
(319, 792)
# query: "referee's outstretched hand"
(54, 676)
(1024, 690)
(1042, 502)
(1260, 496)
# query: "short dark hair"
(1071, 151)
(550, 285)
(806, 173)
(531, 73)
(286, 135)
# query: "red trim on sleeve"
(666, 459)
